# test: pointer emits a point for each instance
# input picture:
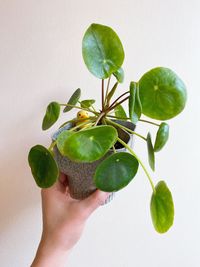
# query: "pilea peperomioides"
(159, 94)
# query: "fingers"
(60, 185)
(95, 200)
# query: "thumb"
(95, 200)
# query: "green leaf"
(131, 103)
(87, 103)
(90, 144)
(115, 172)
(51, 115)
(162, 93)
(151, 156)
(162, 208)
(161, 136)
(111, 93)
(120, 112)
(119, 75)
(135, 108)
(60, 141)
(43, 166)
(102, 51)
(73, 100)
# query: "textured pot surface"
(80, 175)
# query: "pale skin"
(64, 219)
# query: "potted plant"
(95, 147)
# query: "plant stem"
(126, 129)
(93, 108)
(77, 120)
(144, 168)
(85, 122)
(149, 122)
(102, 94)
(113, 107)
(119, 118)
(114, 149)
(66, 123)
(99, 118)
(118, 99)
(87, 109)
(52, 145)
(88, 125)
(108, 84)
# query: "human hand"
(63, 222)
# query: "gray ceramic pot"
(80, 174)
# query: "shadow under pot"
(80, 175)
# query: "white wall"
(40, 61)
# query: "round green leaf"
(43, 166)
(119, 75)
(73, 100)
(135, 108)
(161, 136)
(51, 115)
(162, 208)
(90, 144)
(102, 51)
(162, 94)
(151, 156)
(120, 112)
(87, 103)
(115, 172)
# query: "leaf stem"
(119, 118)
(126, 129)
(99, 118)
(149, 122)
(87, 109)
(117, 104)
(114, 150)
(118, 99)
(144, 168)
(93, 108)
(107, 89)
(52, 145)
(85, 122)
(102, 94)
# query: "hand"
(63, 222)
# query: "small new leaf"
(120, 112)
(73, 100)
(119, 75)
(162, 208)
(87, 103)
(161, 136)
(51, 115)
(151, 156)
(135, 108)
(111, 93)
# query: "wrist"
(49, 255)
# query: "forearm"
(49, 256)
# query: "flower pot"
(80, 175)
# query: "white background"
(41, 61)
